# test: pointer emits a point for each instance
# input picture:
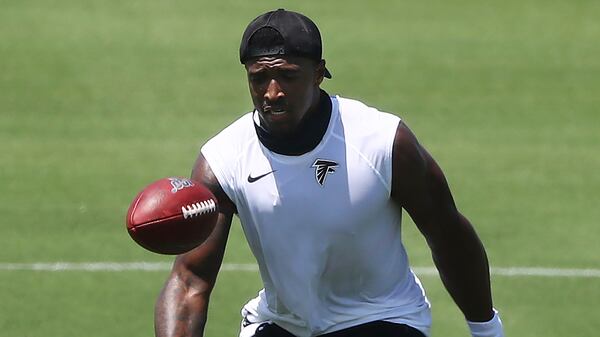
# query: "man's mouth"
(274, 110)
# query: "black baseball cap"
(282, 32)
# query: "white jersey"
(321, 225)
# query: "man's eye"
(290, 75)
(257, 78)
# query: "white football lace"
(198, 208)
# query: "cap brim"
(327, 74)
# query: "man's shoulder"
(351, 104)
(365, 118)
(239, 130)
(231, 142)
(353, 108)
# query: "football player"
(318, 183)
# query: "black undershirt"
(308, 135)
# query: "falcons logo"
(323, 168)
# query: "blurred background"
(100, 98)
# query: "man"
(318, 183)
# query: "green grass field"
(99, 98)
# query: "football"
(172, 216)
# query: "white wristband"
(491, 328)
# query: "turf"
(99, 98)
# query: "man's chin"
(280, 130)
(277, 123)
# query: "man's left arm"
(419, 186)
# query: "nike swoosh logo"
(252, 179)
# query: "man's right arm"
(181, 308)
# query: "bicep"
(420, 187)
(205, 260)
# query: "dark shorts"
(372, 329)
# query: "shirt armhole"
(219, 168)
(393, 121)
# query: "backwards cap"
(282, 32)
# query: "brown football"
(172, 215)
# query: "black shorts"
(372, 329)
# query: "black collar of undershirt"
(311, 130)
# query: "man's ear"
(320, 72)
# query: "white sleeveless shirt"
(321, 225)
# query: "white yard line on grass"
(526, 271)
(87, 266)
(165, 266)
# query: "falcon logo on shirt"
(323, 167)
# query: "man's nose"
(274, 91)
